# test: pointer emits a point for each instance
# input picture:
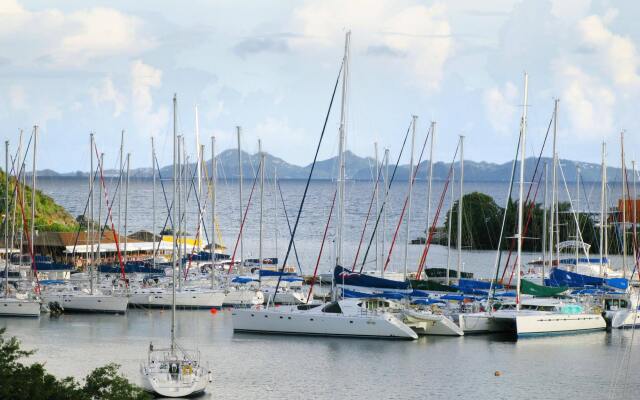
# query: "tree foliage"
(33, 382)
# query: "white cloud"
(144, 78)
(420, 34)
(570, 10)
(73, 39)
(500, 107)
(106, 92)
(588, 103)
(616, 53)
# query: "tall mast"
(602, 207)
(120, 172)
(544, 222)
(376, 186)
(433, 134)
(460, 206)
(6, 219)
(33, 196)
(554, 220)
(126, 212)
(199, 174)
(606, 210)
(153, 201)
(185, 204)
(577, 214)
(523, 135)
(408, 225)
(261, 155)
(341, 149)
(98, 256)
(90, 224)
(214, 184)
(173, 229)
(239, 132)
(178, 207)
(275, 208)
(624, 207)
(384, 212)
(453, 179)
(19, 166)
(633, 218)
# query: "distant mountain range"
(363, 168)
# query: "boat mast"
(377, 195)
(185, 204)
(120, 172)
(384, 214)
(239, 132)
(341, 155)
(91, 222)
(633, 209)
(553, 210)
(577, 214)
(523, 133)
(453, 179)
(544, 222)
(126, 212)
(408, 225)
(33, 198)
(153, 202)
(433, 134)
(624, 207)
(261, 155)
(177, 206)
(176, 247)
(275, 210)
(6, 219)
(98, 256)
(602, 207)
(199, 174)
(214, 183)
(460, 206)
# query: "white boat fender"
(210, 376)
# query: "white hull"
(164, 385)
(184, 299)
(288, 297)
(289, 320)
(84, 302)
(243, 298)
(540, 322)
(624, 319)
(480, 322)
(12, 307)
(431, 324)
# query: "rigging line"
(634, 242)
(286, 215)
(593, 227)
(324, 237)
(109, 206)
(244, 219)
(533, 178)
(103, 227)
(427, 243)
(166, 202)
(385, 198)
(366, 220)
(313, 166)
(412, 177)
(86, 206)
(532, 206)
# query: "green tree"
(33, 382)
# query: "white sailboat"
(73, 298)
(174, 371)
(347, 317)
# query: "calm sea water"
(587, 366)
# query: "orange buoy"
(213, 311)
(497, 373)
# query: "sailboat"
(80, 299)
(346, 317)
(174, 371)
(16, 304)
(540, 316)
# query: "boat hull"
(243, 298)
(10, 307)
(184, 299)
(558, 323)
(278, 322)
(625, 319)
(157, 386)
(431, 324)
(88, 303)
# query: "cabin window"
(333, 308)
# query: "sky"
(79, 66)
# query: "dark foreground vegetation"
(32, 382)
